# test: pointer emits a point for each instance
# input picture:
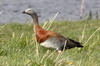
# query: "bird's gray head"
(33, 14)
(29, 11)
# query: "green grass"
(19, 48)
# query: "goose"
(50, 39)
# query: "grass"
(18, 46)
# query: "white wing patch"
(52, 43)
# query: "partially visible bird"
(50, 39)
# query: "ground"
(18, 46)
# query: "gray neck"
(35, 19)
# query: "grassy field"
(18, 46)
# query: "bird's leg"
(59, 51)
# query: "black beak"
(23, 12)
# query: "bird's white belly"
(52, 43)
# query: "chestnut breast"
(42, 34)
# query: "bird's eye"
(29, 10)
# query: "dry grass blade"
(45, 55)
(82, 8)
(83, 33)
(59, 55)
(2, 26)
(37, 46)
(37, 51)
(92, 35)
(45, 24)
(13, 34)
(52, 20)
(61, 61)
(21, 35)
(51, 54)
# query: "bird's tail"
(78, 43)
(79, 46)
